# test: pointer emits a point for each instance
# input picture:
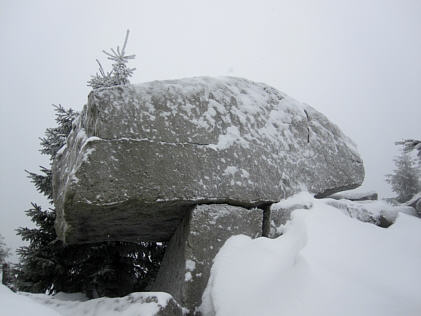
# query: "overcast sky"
(358, 62)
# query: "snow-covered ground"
(18, 305)
(135, 304)
(326, 263)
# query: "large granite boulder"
(140, 156)
(186, 266)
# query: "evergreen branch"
(120, 73)
(125, 41)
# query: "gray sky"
(358, 62)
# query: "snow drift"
(325, 263)
(17, 305)
(135, 304)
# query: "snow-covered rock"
(140, 155)
(280, 213)
(355, 195)
(186, 266)
(325, 264)
(380, 213)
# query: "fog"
(358, 62)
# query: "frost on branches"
(120, 73)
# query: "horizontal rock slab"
(355, 196)
(187, 262)
(379, 212)
(139, 156)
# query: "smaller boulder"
(379, 213)
(355, 196)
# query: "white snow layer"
(135, 304)
(302, 199)
(18, 305)
(326, 263)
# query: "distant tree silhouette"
(405, 178)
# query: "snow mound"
(326, 263)
(135, 304)
(300, 200)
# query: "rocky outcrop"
(139, 157)
(186, 266)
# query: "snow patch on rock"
(303, 199)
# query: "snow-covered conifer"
(120, 73)
(55, 137)
(405, 180)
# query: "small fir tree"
(120, 73)
(40, 269)
(55, 138)
(42, 262)
(405, 180)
